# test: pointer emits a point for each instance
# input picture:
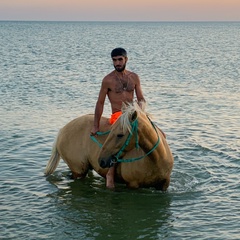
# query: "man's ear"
(126, 59)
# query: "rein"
(99, 134)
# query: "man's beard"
(120, 69)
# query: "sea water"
(51, 72)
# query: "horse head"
(122, 137)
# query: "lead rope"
(99, 134)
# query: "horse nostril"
(102, 164)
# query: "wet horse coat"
(75, 146)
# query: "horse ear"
(134, 116)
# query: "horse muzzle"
(107, 162)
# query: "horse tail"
(54, 159)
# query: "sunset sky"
(122, 10)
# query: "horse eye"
(120, 135)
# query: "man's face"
(119, 63)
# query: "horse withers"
(139, 149)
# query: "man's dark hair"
(119, 52)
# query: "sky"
(120, 10)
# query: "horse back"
(77, 148)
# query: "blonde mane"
(127, 111)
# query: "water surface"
(51, 73)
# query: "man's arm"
(139, 93)
(99, 107)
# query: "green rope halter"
(134, 130)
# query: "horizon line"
(150, 21)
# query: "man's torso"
(120, 89)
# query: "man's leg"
(111, 171)
(110, 177)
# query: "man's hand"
(94, 131)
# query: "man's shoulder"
(109, 76)
(132, 75)
(112, 75)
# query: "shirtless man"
(119, 86)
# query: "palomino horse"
(138, 147)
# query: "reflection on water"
(51, 73)
(90, 210)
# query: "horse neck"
(148, 137)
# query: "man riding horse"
(119, 86)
